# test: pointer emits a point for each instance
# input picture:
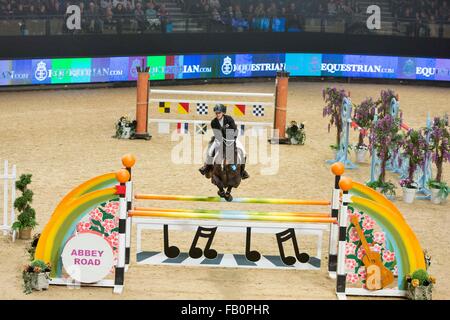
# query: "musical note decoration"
(169, 251)
(287, 235)
(251, 255)
(195, 252)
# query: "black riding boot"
(205, 169)
(244, 174)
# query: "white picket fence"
(9, 196)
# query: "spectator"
(152, 16)
(119, 15)
(140, 18)
(163, 17)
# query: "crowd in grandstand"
(423, 16)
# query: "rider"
(220, 124)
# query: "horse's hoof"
(221, 194)
(228, 197)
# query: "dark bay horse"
(227, 167)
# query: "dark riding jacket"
(228, 131)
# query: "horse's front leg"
(228, 195)
(221, 192)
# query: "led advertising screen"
(210, 66)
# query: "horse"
(226, 172)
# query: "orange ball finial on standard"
(345, 184)
(338, 169)
(128, 160)
(123, 175)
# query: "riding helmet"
(220, 108)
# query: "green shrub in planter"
(35, 276)
(26, 220)
(420, 285)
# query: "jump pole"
(279, 121)
(143, 90)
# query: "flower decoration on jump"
(354, 251)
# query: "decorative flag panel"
(258, 111)
(183, 108)
(239, 110)
(164, 107)
(202, 108)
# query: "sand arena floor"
(64, 138)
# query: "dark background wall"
(184, 43)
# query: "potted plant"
(420, 285)
(36, 276)
(26, 220)
(363, 117)
(439, 191)
(296, 133)
(440, 153)
(385, 188)
(414, 149)
(409, 190)
(334, 99)
(125, 128)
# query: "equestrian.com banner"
(120, 69)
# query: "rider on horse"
(221, 125)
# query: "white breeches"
(214, 149)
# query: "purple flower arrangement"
(383, 138)
(363, 116)
(333, 109)
(439, 144)
(414, 146)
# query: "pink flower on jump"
(113, 239)
(112, 205)
(96, 215)
(368, 223)
(350, 264)
(361, 253)
(362, 273)
(108, 225)
(395, 271)
(351, 214)
(83, 226)
(376, 248)
(388, 256)
(353, 235)
(350, 248)
(352, 277)
(379, 237)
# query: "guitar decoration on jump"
(378, 276)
